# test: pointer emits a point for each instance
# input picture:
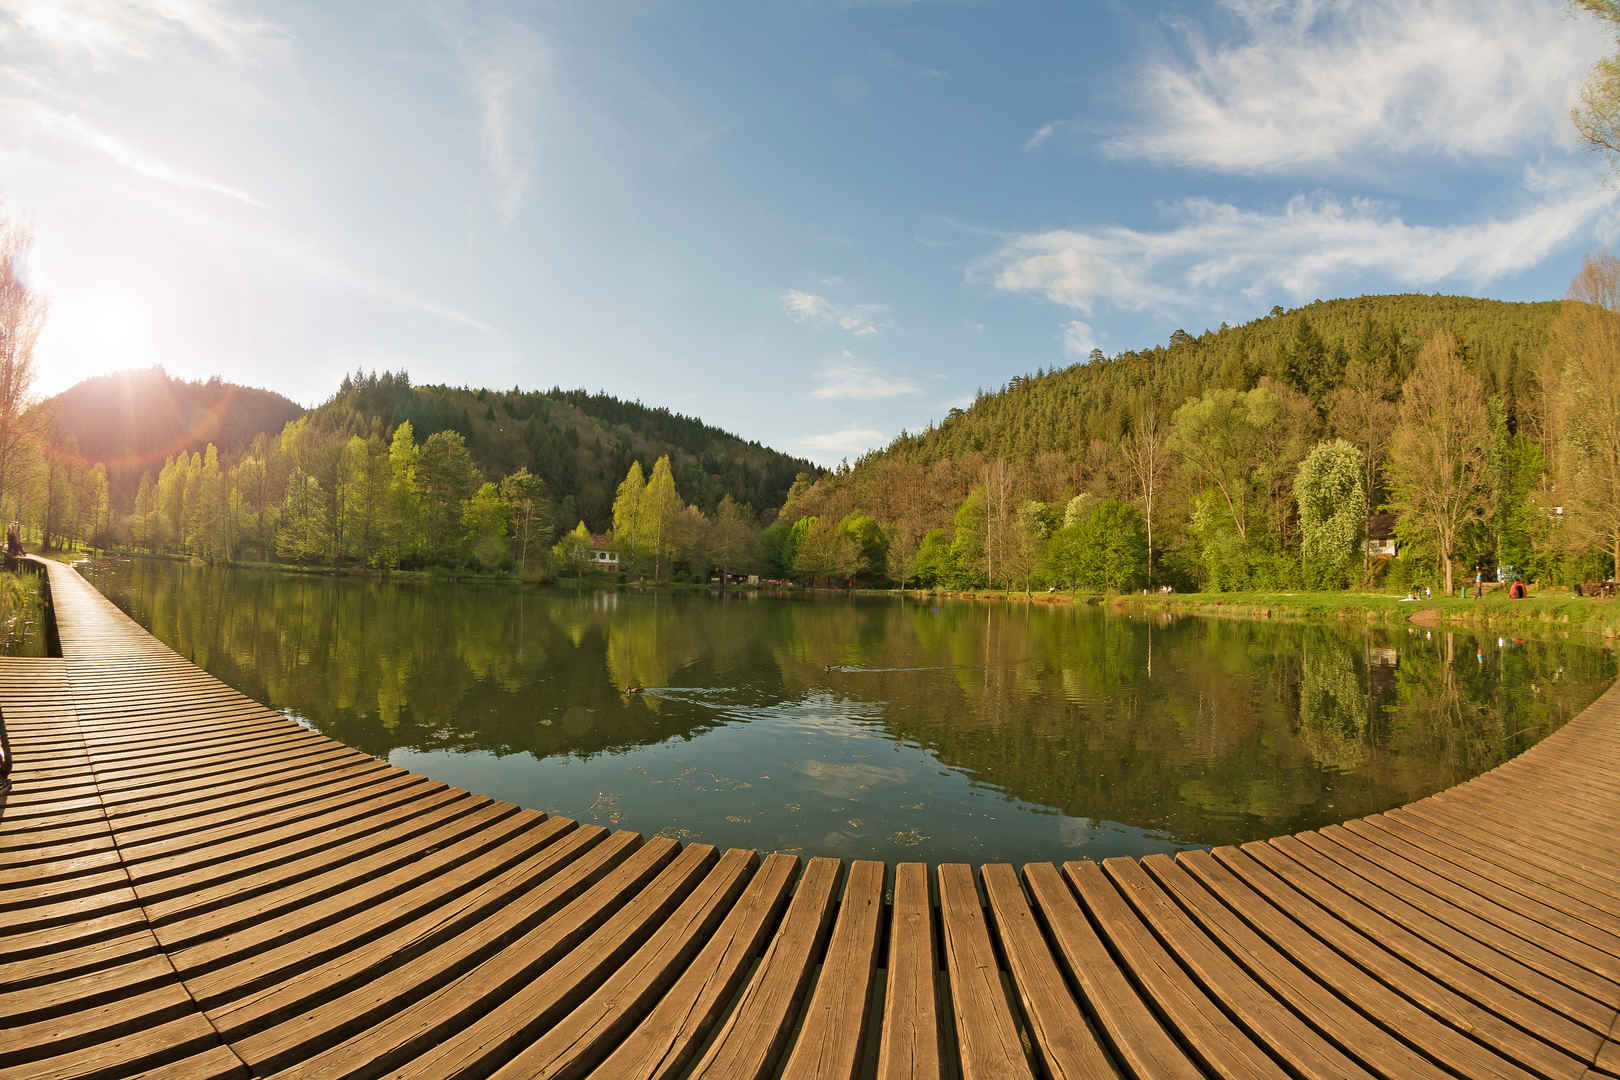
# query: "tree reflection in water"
(872, 726)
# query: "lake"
(881, 727)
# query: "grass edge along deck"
(192, 885)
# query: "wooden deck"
(192, 885)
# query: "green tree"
(1110, 549)
(301, 536)
(447, 478)
(627, 521)
(405, 542)
(572, 554)
(967, 543)
(1439, 474)
(1597, 117)
(1332, 510)
(485, 518)
(1581, 374)
(660, 506)
(870, 543)
(932, 566)
(1221, 440)
(531, 513)
(731, 538)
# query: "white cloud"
(1334, 82)
(105, 29)
(1078, 339)
(71, 128)
(503, 78)
(1311, 246)
(860, 320)
(846, 442)
(1042, 133)
(846, 378)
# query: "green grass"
(1546, 610)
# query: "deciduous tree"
(1438, 466)
(1332, 510)
(22, 316)
(1581, 380)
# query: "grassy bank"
(1552, 610)
(1555, 610)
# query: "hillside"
(581, 443)
(131, 421)
(1063, 427)
(1306, 348)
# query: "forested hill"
(1333, 368)
(132, 421)
(580, 443)
(1307, 349)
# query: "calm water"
(871, 727)
(24, 625)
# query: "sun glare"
(114, 332)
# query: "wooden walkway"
(192, 885)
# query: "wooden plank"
(1394, 992)
(986, 1032)
(754, 1035)
(1544, 950)
(828, 1045)
(1136, 1034)
(315, 1028)
(578, 1042)
(522, 1013)
(1223, 1047)
(1251, 1002)
(909, 1048)
(1293, 983)
(1061, 1034)
(663, 1045)
(1512, 990)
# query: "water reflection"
(871, 727)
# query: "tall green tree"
(531, 512)
(1439, 475)
(404, 534)
(1332, 510)
(485, 518)
(627, 520)
(1221, 440)
(1581, 376)
(446, 477)
(660, 506)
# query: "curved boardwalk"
(192, 885)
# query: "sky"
(815, 223)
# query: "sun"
(112, 331)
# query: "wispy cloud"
(1334, 82)
(108, 29)
(846, 442)
(1078, 339)
(1214, 251)
(503, 72)
(1042, 133)
(73, 129)
(860, 320)
(847, 378)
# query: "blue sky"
(812, 223)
